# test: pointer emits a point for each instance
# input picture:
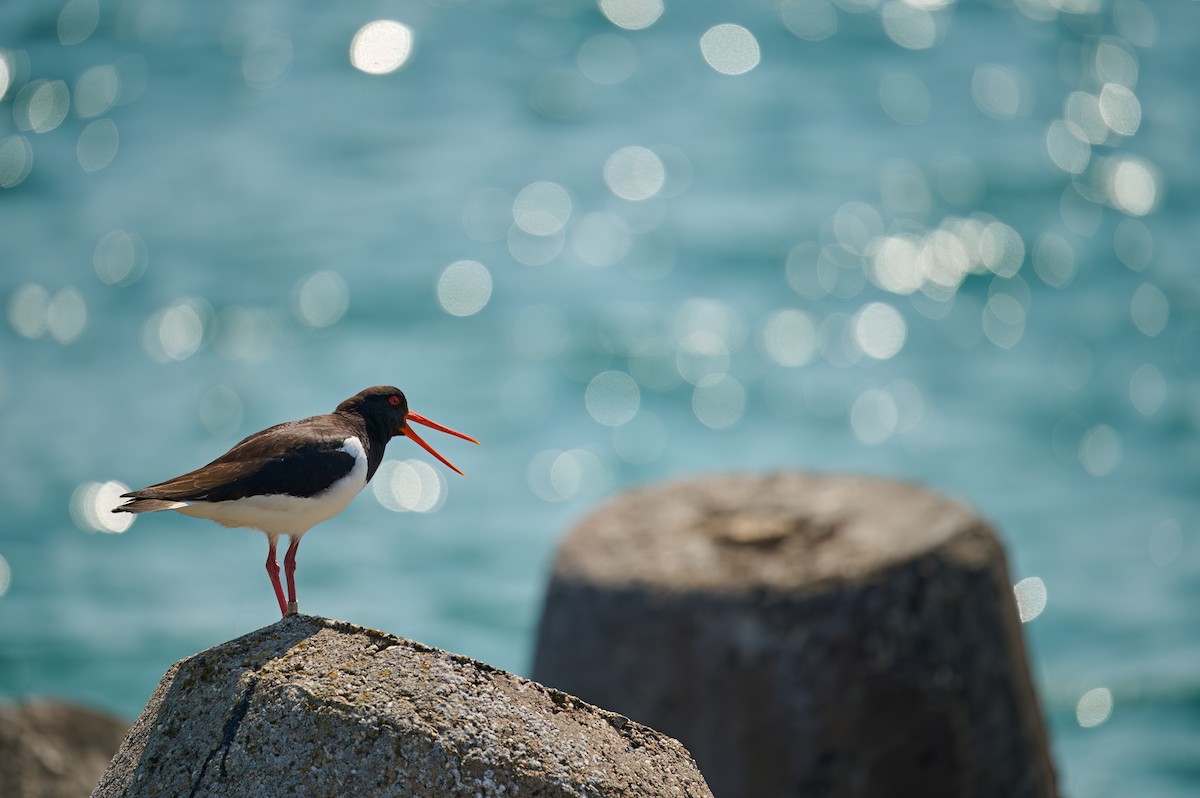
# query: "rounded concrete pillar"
(803, 635)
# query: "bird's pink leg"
(273, 572)
(289, 568)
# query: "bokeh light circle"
(464, 288)
(1030, 595)
(612, 398)
(381, 47)
(632, 14)
(322, 299)
(634, 173)
(730, 49)
(92, 506)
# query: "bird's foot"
(293, 608)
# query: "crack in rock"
(231, 728)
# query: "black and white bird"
(288, 478)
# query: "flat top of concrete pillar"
(781, 530)
(309, 706)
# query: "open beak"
(409, 432)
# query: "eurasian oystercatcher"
(288, 478)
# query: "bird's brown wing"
(296, 458)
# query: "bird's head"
(387, 407)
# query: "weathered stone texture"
(803, 635)
(311, 707)
(53, 749)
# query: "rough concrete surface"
(53, 749)
(803, 635)
(312, 707)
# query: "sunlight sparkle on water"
(542, 208)
(321, 299)
(1094, 707)
(1081, 112)
(874, 416)
(1001, 92)
(1133, 184)
(857, 226)
(600, 239)
(381, 47)
(718, 401)
(409, 486)
(1069, 152)
(41, 105)
(555, 476)
(813, 20)
(77, 21)
(176, 331)
(1149, 309)
(790, 337)
(1120, 109)
(534, 250)
(1003, 320)
(1147, 389)
(1030, 594)
(700, 355)
(91, 507)
(66, 315)
(632, 14)
(97, 145)
(96, 91)
(27, 309)
(877, 414)
(634, 173)
(607, 59)
(5, 576)
(1054, 260)
(1001, 249)
(120, 257)
(612, 398)
(909, 26)
(464, 288)
(730, 49)
(1115, 62)
(1100, 450)
(879, 330)
(5, 74)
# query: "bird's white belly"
(281, 514)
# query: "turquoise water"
(946, 242)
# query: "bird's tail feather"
(147, 506)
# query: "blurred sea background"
(617, 242)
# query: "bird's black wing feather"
(299, 458)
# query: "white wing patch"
(280, 514)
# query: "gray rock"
(53, 749)
(803, 635)
(312, 707)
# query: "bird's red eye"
(393, 400)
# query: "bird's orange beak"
(408, 432)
